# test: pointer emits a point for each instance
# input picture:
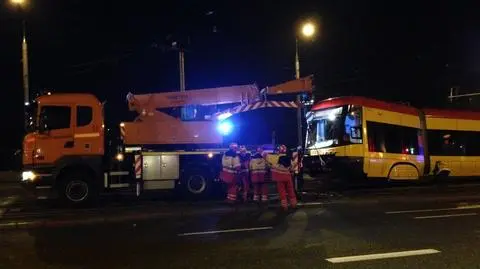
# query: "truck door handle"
(68, 144)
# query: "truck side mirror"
(43, 125)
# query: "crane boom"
(211, 96)
(239, 94)
(156, 127)
(302, 85)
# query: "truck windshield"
(334, 126)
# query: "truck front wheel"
(76, 188)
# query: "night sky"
(396, 50)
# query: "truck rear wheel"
(76, 188)
(197, 183)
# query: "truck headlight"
(119, 157)
(28, 175)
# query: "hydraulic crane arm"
(302, 85)
(145, 103)
(155, 127)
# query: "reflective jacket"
(230, 166)
(258, 168)
(280, 173)
(296, 163)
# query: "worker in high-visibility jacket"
(258, 170)
(244, 171)
(282, 175)
(296, 167)
(229, 173)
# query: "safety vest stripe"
(230, 170)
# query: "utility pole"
(26, 88)
(21, 5)
(299, 101)
(181, 67)
(308, 30)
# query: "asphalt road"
(430, 227)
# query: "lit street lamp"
(307, 30)
(18, 2)
(20, 5)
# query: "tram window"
(473, 144)
(448, 143)
(388, 138)
(353, 125)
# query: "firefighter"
(230, 169)
(296, 166)
(281, 174)
(258, 170)
(243, 173)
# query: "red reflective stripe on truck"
(138, 166)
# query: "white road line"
(9, 200)
(310, 203)
(228, 231)
(382, 255)
(5, 203)
(446, 216)
(434, 209)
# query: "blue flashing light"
(225, 127)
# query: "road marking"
(227, 231)
(382, 255)
(15, 224)
(446, 216)
(434, 209)
(9, 200)
(310, 203)
(5, 203)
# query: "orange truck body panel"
(170, 130)
(87, 140)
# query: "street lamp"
(307, 30)
(18, 2)
(21, 4)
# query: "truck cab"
(64, 146)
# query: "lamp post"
(307, 30)
(20, 5)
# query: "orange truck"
(68, 153)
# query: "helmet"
(233, 146)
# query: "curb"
(35, 224)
